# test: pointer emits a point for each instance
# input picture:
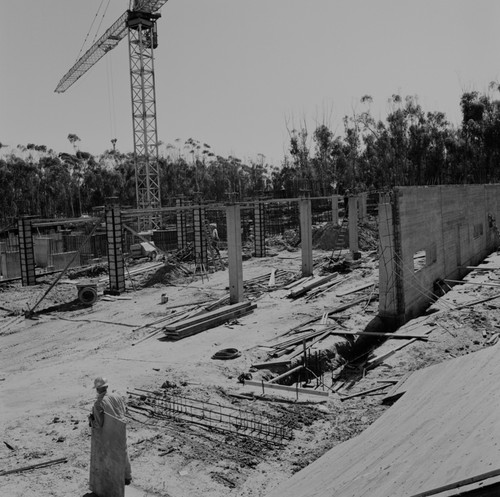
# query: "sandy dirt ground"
(48, 364)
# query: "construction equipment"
(139, 23)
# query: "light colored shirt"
(111, 404)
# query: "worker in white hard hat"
(109, 460)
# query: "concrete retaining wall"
(428, 234)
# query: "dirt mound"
(325, 236)
(368, 234)
(165, 274)
(330, 236)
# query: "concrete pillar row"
(115, 249)
(234, 253)
(27, 253)
(335, 209)
(353, 227)
(181, 224)
(305, 212)
(259, 229)
(200, 240)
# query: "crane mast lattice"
(140, 24)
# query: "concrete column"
(259, 229)
(306, 235)
(235, 264)
(362, 206)
(200, 241)
(391, 297)
(26, 252)
(335, 209)
(353, 227)
(181, 224)
(115, 249)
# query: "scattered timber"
(300, 281)
(463, 282)
(379, 334)
(304, 288)
(272, 386)
(480, 301)
(308, 346)
(320, 290)
(396, 391)
(354, 290)
(271, 364)
(364, 392)
(483, 268)
(34, 466)
(375, 361)
(284, 375)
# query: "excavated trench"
(348, 350)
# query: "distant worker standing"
(109, 462)
(215, 237)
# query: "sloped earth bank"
(47, 367)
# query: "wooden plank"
(364, 392)
(299, 339)
(298, 282)
(310, 285)
(378, 334)
(475, 302)
(396, 391)
(285, 374)
(461, 483)
(271, 364)
(463, 282)
(206, 325)
(286, 388)
(483, 268)
(377, 360)
(326, 287)
(314, 342)
(354, 290)
(206, 316)
(34, 466)
(344, 307)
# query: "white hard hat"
(100, 382)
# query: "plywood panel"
(445, 428)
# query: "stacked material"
(202, 322)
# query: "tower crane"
(139, 23)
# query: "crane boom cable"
(111, 97)
(90, 29)
(102, 19)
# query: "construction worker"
(215, 237)
(109, 460)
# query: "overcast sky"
(235, 73)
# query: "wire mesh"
(214, 416)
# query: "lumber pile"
(202, 322)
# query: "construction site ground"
(48, 364)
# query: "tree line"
(408, 147)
